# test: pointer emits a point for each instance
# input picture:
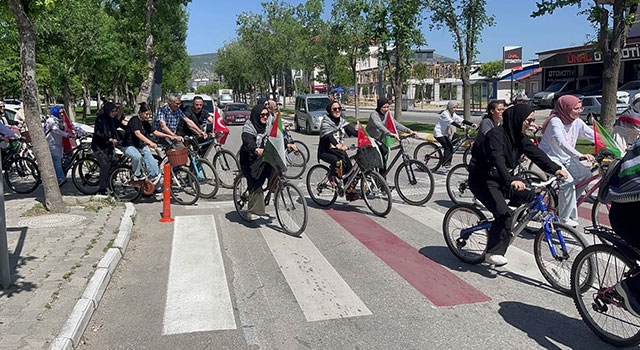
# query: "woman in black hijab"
(105, 139)
(254, 134)
(493, 157)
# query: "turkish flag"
(220, 127)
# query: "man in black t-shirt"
(198, 116)
(137, 144)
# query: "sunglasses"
(336, 109)
(264, 115)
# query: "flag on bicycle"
(391, 126)
(68, 144)
(219, 126)
(274, 150)
(604, 140)
(363, 138)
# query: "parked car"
(309, 111)
(236, 113)
(632, 88)
(592, 105)
(593, 90)
(548, 96)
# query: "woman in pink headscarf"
(561, 132)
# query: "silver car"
(592, 106)
(309, 111)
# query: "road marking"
(320, 291)
(434, 281)
(198, 297)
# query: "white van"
(187, 102)
(559, 87)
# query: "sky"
(212, 24)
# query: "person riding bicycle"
(331, 148)
(55, 131)
(194, 117)
(493, 117)
(626, 129)
(561, 131)
(493, 157)
(137, 144)
(377, 129)
(441, 130)
(105, 139)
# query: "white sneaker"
(570, 222)
(495, 259)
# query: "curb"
(69, 336)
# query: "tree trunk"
(69, 105)
(145, 87)
(52, 196)
(86, 99)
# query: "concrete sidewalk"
(60, 265)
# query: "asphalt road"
(352, 281)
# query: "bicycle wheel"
(303, 149)
(227, 167)
(468, 249)
(557, 270)
(85, 175)
(22, 175)
(376, 193)
(207, 178)
(430, 154)
(600, 213)
(184, 186)
(414, 182)
(291, 209)
(458, 185)
(466, 156)
(296, 164)
(241, 197)
(600, 306)
(121, 187)
(320, 189)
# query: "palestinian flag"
(274, 150)
(604, 140)
(363, 138)
(391, 126)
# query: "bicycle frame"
(582, 184)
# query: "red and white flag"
(67, 143)
(220, 126)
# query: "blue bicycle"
(555, 247)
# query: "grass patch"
(37, 209)
(109, 246)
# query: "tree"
(491, 70)
(396, 29)
(613, 19)
(465, 19)
(23, 12)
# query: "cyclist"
(194, 116)
(490, 179)
(561, 131)
(55, 131)
(626, 129)
(377, 129)
(331, 148)
(442, 130)
(105, 139)
(493, 117)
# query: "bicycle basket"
(368, 158)
(178, 156)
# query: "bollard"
(166, 201)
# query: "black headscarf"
(381, 102)
(108, 107)
(512, 120)
(255, 119)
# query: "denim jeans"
(57, 166)
(139, 155)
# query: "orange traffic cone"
(166, 201)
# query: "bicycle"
(600, 267)
(555, 246)
(224, 161)
(21, 174)
(288, 139)
(324, 188)
(202, 169)
(431, 153)
(296, 159)
(290, 205)
(410, 175)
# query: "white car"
(632, 89)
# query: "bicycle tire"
(557, 270)
(430, 154)
(599, 213)
(466, 156)
(458, 217)
(207, 178)
(296, 164)
(302, 147)
(320, 189)
(457, 185)
(241, 197)
(290, 205)
(610, 321)
(119, 183)
(374, 190)
(414, 182)
(85, 175)
(22, 175)
(184, 186)
(227, 167)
